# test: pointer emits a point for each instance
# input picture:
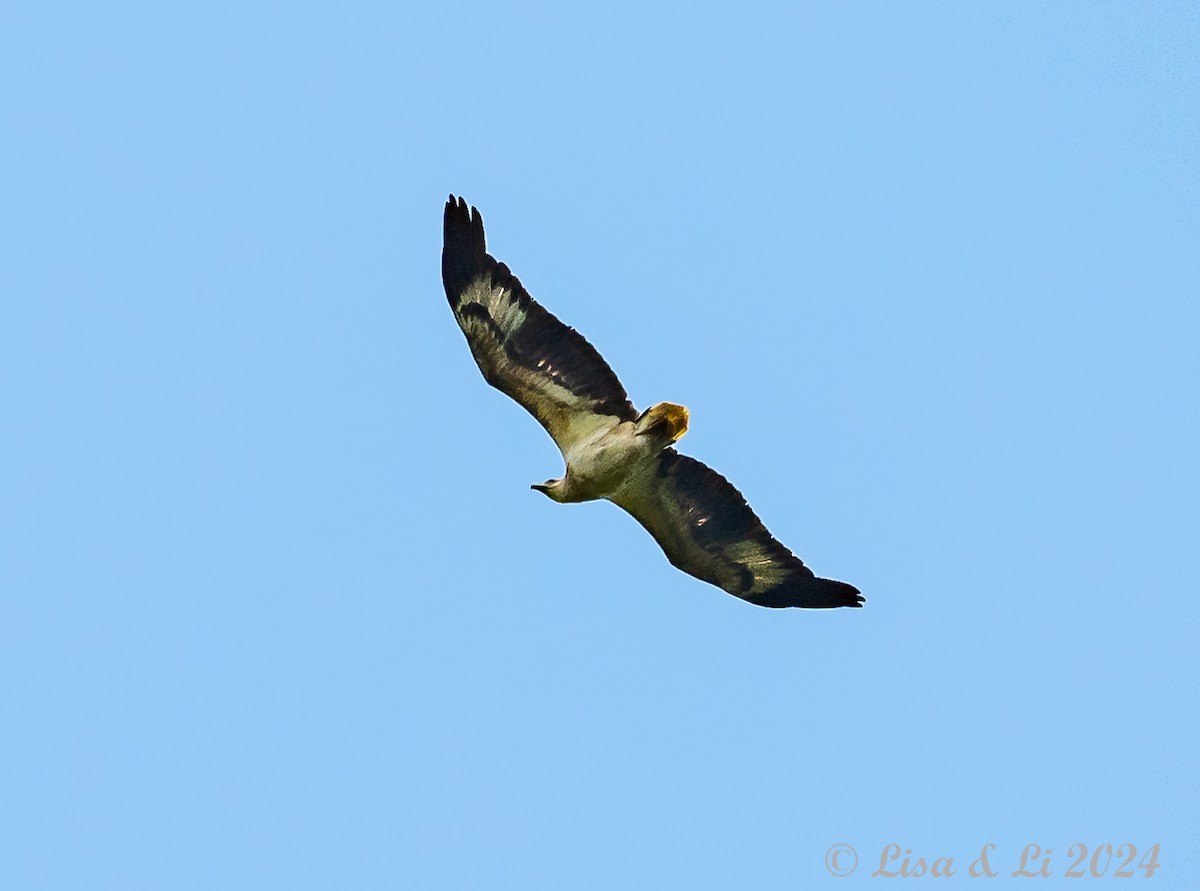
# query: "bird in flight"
(702, 523)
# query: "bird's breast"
(598, 467)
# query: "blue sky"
(277, 606)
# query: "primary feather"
(702, 523)
(521, 348)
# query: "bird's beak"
(540, 488)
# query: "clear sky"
(278, 608)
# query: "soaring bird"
(702, 523)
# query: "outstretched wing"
(707, 529)
(521, 348)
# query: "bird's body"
(598, 464)
(612, 452)
(604, 462)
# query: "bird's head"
(552, 489)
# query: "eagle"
(612, 451)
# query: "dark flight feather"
(521, 348)
(706, 528)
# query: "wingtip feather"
(464, 247)
(829, 594)
(811, 593)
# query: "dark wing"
(707, 529)
(521, 348)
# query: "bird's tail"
(665, 419)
